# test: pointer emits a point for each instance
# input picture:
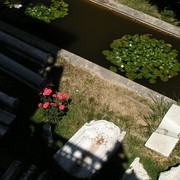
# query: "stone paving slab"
(166, 136)
(162, 144)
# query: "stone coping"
(110, 76)
(139, 16)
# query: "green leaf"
(113, 69)
(152, 81)
(164, 78)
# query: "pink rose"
(40, 105)
(64, 96)
(45, 105)
(54, 95)
(47, 92)
(59, 95)
(62, 107)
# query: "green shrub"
(140, 56)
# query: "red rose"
(54, 95)
(62, 107)
(47, 92)
(59, 95)
(40, 105)
(64, 96)
(45, 105)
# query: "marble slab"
(172, 174)
(89, 148)
(162, 144)
(166, 136)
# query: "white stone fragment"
(17, 6)
(90, 147)
(173, 115)
(171, 120)
(135, 171)
(172, 174)
(162, 144)
(166, 136)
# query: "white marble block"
(89, 148)
(166, 136)
(135, 171)
(172, 174)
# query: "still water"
(89, 29)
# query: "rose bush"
(54, 105)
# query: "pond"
(90, 28)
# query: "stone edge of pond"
(112, 77)
(139, 16)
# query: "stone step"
(8, 101)
(29, 38)
(6, 118)
(17, 170)
(13, 171)
(30, 52)
(3, 130)
(21, 73)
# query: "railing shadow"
(86, 165)
(25, 142)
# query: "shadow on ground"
(24, 140)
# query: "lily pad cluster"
(45, 11)
(141, 56)
(57, 9)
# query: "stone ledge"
(139, 16)
(111, 76)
